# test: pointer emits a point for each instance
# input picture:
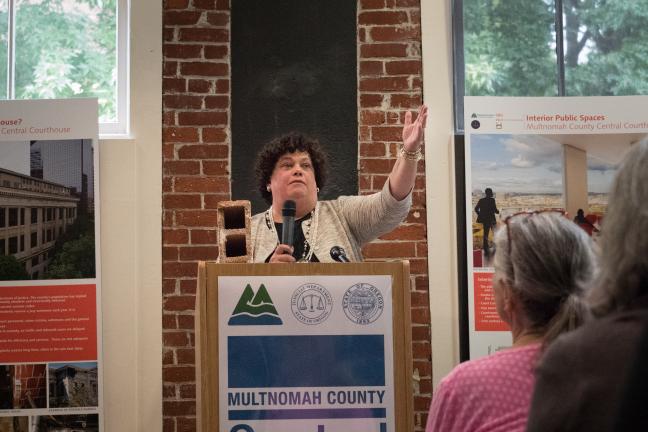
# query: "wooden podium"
(211, 275)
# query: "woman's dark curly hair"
(289, 143)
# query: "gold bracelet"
(411, 155)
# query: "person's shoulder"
(258, 220)
(467, 379)
(609, 326)
(618, 331)
(327, 205)
(342, 201)
(579, 338)
(259, 216)
(501, 361)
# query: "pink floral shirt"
(489, 394)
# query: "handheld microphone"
(338, 254)
(288, 227)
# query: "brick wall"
(32, 386)
(196, 144)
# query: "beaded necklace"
(309, 239)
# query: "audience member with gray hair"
(582, 379)
(543, 265)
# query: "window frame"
(107, 130)
(459, 65)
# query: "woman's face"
(293, 178)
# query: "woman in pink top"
(543, 265)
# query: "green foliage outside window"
(509, 47)
(4, 41)
(63, 49)
(606, 47)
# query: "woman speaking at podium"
(290, 172)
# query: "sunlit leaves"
(509, 47)
(67, 48)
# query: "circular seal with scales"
(311, 303)
(363, 303)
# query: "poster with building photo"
(527, 154)
(50, 343)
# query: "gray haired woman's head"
(548, 264)
(624, 243)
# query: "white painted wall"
(436, 27)
(131, 210)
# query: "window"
(13, 217)
(548, 48)
(33, 240)
(3, 221)
(34, 215)
(67, 49)
(22, 216)
(13, 245)
(2, 247)
(22, 243)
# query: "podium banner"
(305, 353)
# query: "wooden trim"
(207, 329)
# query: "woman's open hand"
(413, 131)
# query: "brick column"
(390, 83)
(196, 145)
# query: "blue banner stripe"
(296, 414)
(306, 361)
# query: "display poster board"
(310, 352)
(531, 154)
(50, 293)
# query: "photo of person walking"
(486, 210)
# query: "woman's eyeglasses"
(507, 222)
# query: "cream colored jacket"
(348, 221)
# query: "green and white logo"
(255, 309)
